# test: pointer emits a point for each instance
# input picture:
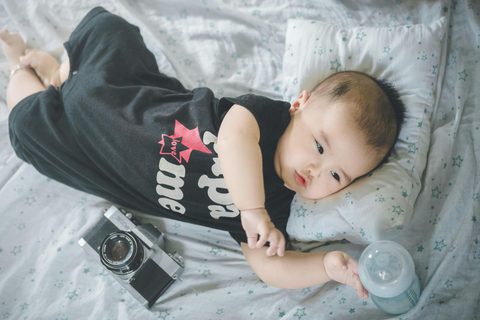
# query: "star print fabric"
(379, 205)
(234, 48)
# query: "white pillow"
(379, 205)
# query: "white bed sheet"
(235, 48)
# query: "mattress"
(235, 48)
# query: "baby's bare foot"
(13, 47)
(44, 64)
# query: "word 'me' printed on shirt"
(170, 182)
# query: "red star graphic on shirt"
(181, 144)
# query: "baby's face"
(322, 150)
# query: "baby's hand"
(257, 222)
(340, 267)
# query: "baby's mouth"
(300, 180)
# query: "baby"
(109, 123)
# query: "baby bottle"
(387, 271)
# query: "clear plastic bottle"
(387, 271)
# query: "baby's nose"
(314, 171)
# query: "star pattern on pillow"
(381, 52)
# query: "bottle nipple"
(386, 270)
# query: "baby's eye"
(335, 175)
(319, 147)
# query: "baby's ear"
(301, 100)
(303, 97)
(294, 106)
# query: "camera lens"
(118, 250)
(121, 252)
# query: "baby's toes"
(3, 34)
(11, 38)
(7, 37)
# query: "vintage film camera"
(132, 253)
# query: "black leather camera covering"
(151, 281)
(102, 229)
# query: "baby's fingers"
(252, 241)
(271, 251)
(261, 242)
(277, 244)
(265, 233)
(281, 247)
(361, 291)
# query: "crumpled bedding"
(236, 48)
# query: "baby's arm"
(241, 161)
(298, 270)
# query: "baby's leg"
(45, 65)
(25, 82)
(64, 70)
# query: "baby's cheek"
(324, 188)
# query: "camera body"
(132, 253)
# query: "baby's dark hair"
(379, 111)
